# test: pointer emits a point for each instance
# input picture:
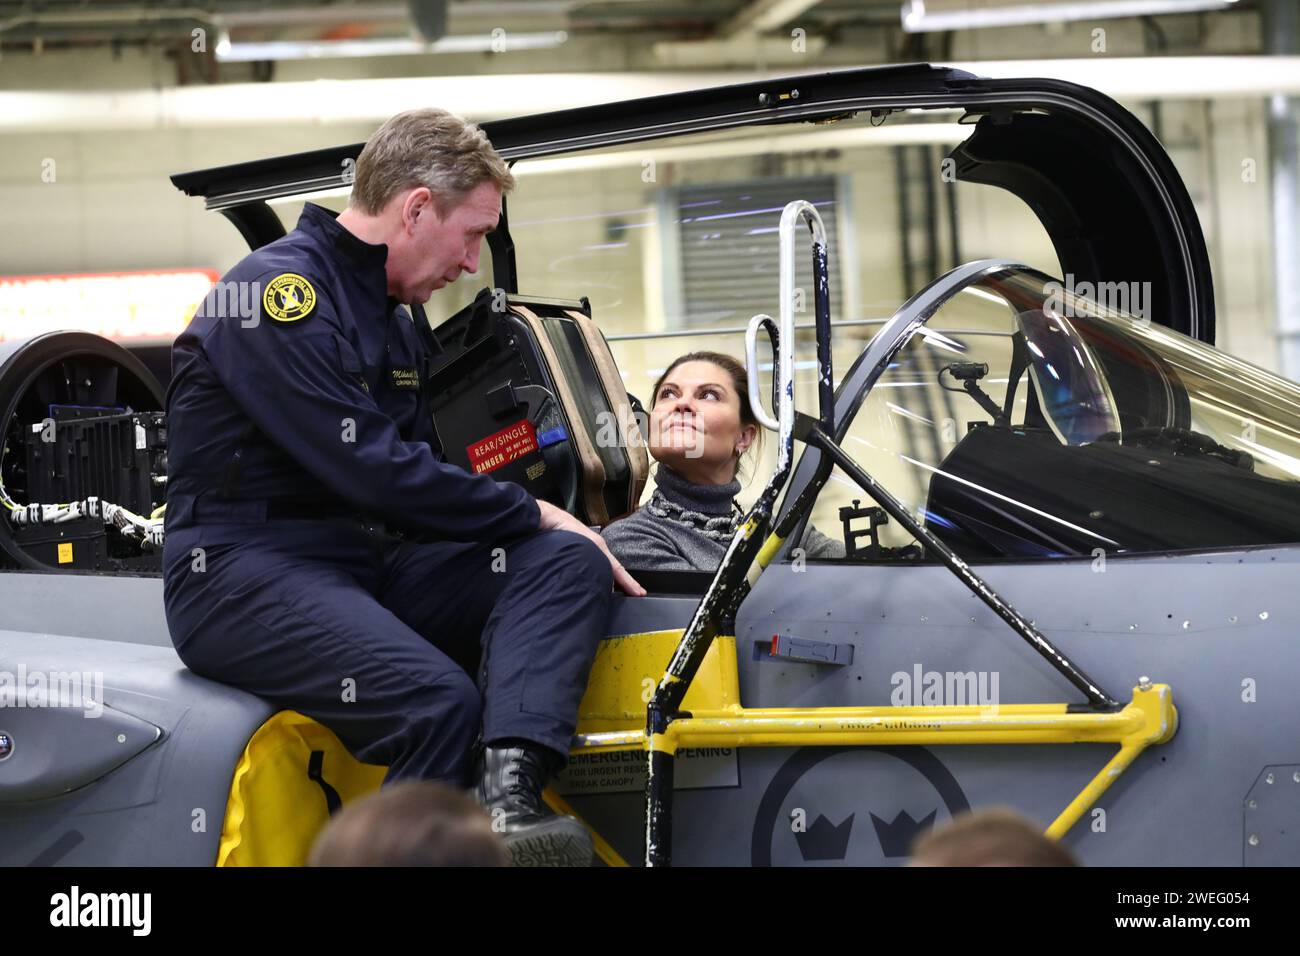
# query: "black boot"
(511, 776)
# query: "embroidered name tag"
(404, 378)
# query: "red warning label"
(505, 446)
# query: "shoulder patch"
(289, 297)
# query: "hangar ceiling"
(170, 24)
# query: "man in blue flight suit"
(321, 554)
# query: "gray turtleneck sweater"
(687, 526)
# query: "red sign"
(144, 304)
(505, 446)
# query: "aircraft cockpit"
(1020, 418)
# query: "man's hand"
(557, 519)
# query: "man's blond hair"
(426, 147)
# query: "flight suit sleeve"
(299, 381)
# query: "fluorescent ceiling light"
(803, 141)
(313, 195)
(503, 42)
(1158, 77)
(917, 19)
(491, 96)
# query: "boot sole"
(554, 843)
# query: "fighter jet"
(1061, 511)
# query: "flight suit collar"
(320, 223)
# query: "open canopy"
(1021, 419)
(1101, 184)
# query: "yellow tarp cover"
(276, 775)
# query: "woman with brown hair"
(701, 425)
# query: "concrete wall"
(110, 204)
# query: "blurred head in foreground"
(993, 837)
(414, 823)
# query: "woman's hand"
(557, 519)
